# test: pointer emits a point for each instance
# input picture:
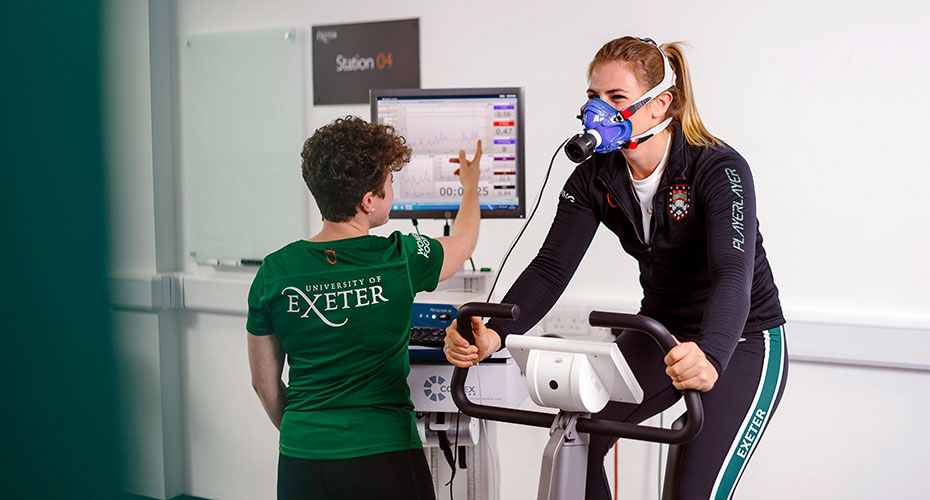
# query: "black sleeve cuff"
(713, 361)
(499, 326)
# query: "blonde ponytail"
(650, 70)
(685, 112)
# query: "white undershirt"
(646, 190)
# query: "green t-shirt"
(341, 310)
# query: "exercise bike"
(578, 378)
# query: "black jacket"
(704, 273)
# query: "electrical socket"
(567, 320)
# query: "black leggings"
(396, 475)
(736, 413)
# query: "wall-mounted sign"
(350, 59)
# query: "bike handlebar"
(636, 322)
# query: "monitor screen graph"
(437, 124)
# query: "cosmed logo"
(432, 388)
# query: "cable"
(500, 268)
(659, 478)
(416, 225)
(484, 436)
(492, 466)
(542, 189)
(455, 456)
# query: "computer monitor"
(437, 123)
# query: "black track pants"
(736, 412)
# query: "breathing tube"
(606, 129)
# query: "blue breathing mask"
(606, 129)
(609, 128)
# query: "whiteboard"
(241, 134)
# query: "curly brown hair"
(348, 158)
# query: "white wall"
(822, 99)
(825, 100)
(127, 120)
(232, 447)
(844, 432)
(146, 339)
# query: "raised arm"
(545, 278)
(541, 283)
(458, 246)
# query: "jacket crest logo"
(330, 256)
(679, 201)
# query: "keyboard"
(427, 336)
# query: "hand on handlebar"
(462, 354)
(689, 368)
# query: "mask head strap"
(634, 141)
(668, 81)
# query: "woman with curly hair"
(338, 306)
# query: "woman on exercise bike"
(682, 203)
